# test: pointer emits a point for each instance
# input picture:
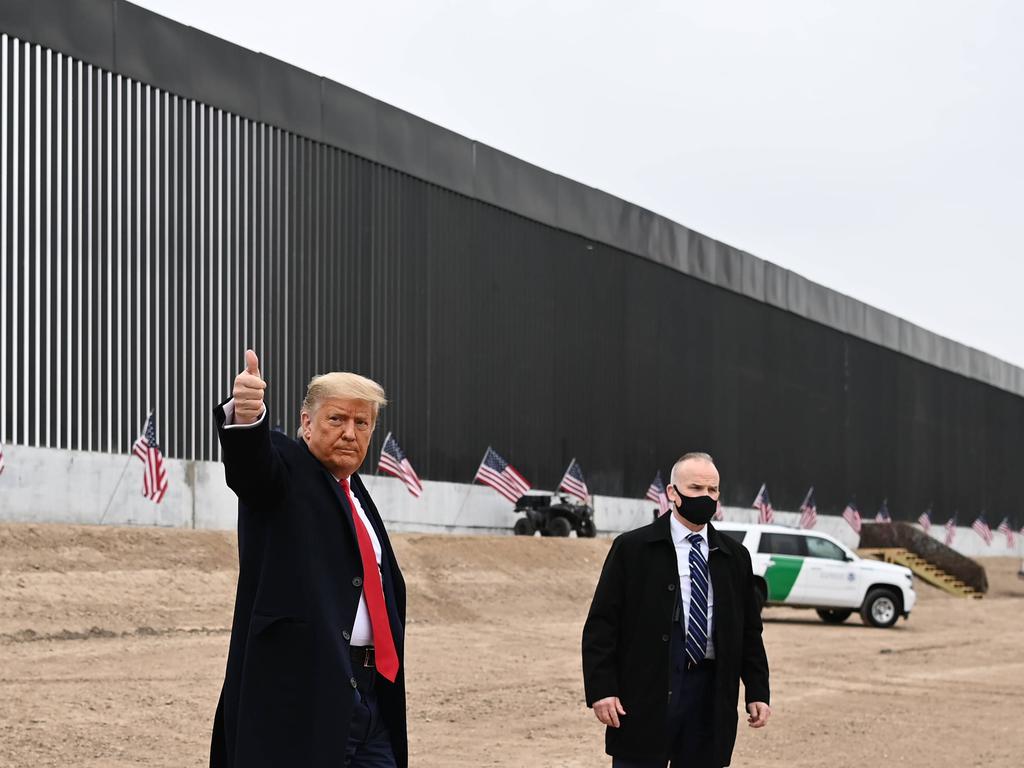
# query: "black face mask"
(697, 509)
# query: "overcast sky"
(872, 146)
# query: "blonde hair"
(351, 386)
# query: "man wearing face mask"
(673, 628)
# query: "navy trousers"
(690, 718)
(689, 726)
(369, 742)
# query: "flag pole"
(118, 485)
(469, 490)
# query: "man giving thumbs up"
(315, 672)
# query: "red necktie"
(373, 590)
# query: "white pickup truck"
(803, 569)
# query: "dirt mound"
(490, 578)
(26, 547)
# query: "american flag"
(980, 527)
(1, 458)
(656, 493)
(763, 505)
(394, 462)
(501, 476)
(1005, 529)
(809, 510)
(852, 516)
(154, 479)
(573, 482)
(951, 530)
(719, 514)
(882, 515)
(925, 520)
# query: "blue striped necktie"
(697, 621)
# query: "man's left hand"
(759, 713)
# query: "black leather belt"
(362, 655)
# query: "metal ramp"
(923, 569)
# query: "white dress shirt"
(683, 547)
(362, 630)
(229, 416)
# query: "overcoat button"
(353, 683)
(346, 634)
(664, 638)
(357, 581)
(671, 587)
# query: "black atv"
(554, 516)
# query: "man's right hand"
(248, 391)
(608, 711)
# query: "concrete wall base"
(45, 485)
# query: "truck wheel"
(881, 608)
(559, 526)
(833, 615)
(587, 530)
(524, 527)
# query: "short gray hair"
(343, 384)
(691, 456)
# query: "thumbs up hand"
(248, 391)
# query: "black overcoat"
(288, 690)
(627, 639)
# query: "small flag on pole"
(951, 530)
(763, 505)
(154, 479)
(981, 527)
(1005, 529)
(809, 510)
(573, 482)
(393, 461)
(1, 458)
(852, 516)
(925, 520)
(501, 476)
(882, 515)
(656, 493)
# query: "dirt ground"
(113, 642)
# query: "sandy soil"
(113, 641)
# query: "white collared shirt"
(229, 416)
(683, 547)
(362, 630)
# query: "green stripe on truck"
(781, 576)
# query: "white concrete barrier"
(46, 485)
(52, 486)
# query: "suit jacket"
(628, 634)
(288, 689)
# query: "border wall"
(168, 198)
